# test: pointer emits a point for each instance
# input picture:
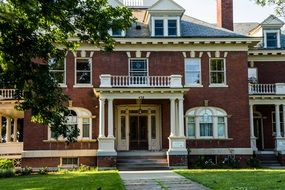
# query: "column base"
(177, 155)
(280, 144)
(253, 143)
(107, 162)
(106, 154)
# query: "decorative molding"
(201, 54)
(148, 54)
(209, 54)
(192, 54)
(217, 54)
(83, 53)
(226, 54)
(58, 153)
(91, 54)
(138, 54)
(184, 54)
(251, 64)
(74, 53)
(129, 54)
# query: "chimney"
(225, 14)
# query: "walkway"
(155, 180)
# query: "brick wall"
(270, 72)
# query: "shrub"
(26, 171)
(43, 171)
(206, 162)
(6, 164)
(4, 173)
(230, 162)
(253, 163)
(83, 168)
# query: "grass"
(250, 179)
(69, 180)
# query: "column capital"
(102, 99)
(277, 104)
(110, 99)
(172, 99)
(181, 99)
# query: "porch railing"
(173, 81)
(267, 89)
(7, 94)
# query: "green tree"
(30, 34)
(279, 5)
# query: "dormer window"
(271, 39)
(165, 26)
(158, 28)
(117, 33)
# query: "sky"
(244, 10)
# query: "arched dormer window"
(206, 122)
(80, 118)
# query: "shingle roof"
(245, 28)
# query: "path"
(155, 180)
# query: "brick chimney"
(225, 14)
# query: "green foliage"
(83, 168)
(254, 162)
(43, 171)
(4, 173)
(26, 171)
(6, 164)
(278, 4)
(31, 31)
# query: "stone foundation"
(107, 162)
(281, 159)
(177, 161)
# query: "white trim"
(63, 85)
(265, 32)
(165, 26)
(79, 85)
(221, 151)
(59, 153)
(147, 64)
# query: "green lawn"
(238, 179)
(59, 181)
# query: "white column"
(251, 121)
(8, 129)
(15, 129)
(1, 126)
(110, 119)
(102, 117)
(181, 117)
(283, 120)
(277, 121)
(172, 117)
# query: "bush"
(26, 171)
(205, 162)
(4, 173)
(83, 168)
(231, 162)
(6, 164)
(253, 163)
(43, 171)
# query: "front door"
(138, 133)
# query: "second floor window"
(138, 67)
(57, 69)
(83, 71)
(192, 71)
(158, 27)
(217, 71)
(252, 75)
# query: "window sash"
(140, 70)
(83, 71)
(206, 129)
(172, 27)
(271, 39)
(192, 71)
(158, 27)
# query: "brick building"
(172, 84)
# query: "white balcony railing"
(173, 81)
(133, 3)
(7, 94)
(267, 89)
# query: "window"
(192, 71)
(206, 122)
(69, 161)
(77, 119)
(117, 32)
(172, 27)
(138, 72)
(158, 27)
(83, 71)
(271, 39)
(217, 71)
(274, 123)
(57, 69)
(252, 75)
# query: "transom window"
(206, 122)
(158, 27)
(172, 27)
(192, 71)
(217, 71)
(138, 67)
(83, 71)
(57, 69)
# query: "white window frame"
(63, 85)
(265, 32)
(123, 33)
(81, 113)
(69, 165)
(256, 70)
(273, 123)
(185, 72)
(198, 113)
(79, 85)
(165, 26)
(129, 65)
(224, 84)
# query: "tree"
(30, 32)
(279, 5)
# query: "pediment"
(272, 21)
(115, 3)
(166, 5)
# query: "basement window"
(69, 161)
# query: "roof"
(245, 28)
